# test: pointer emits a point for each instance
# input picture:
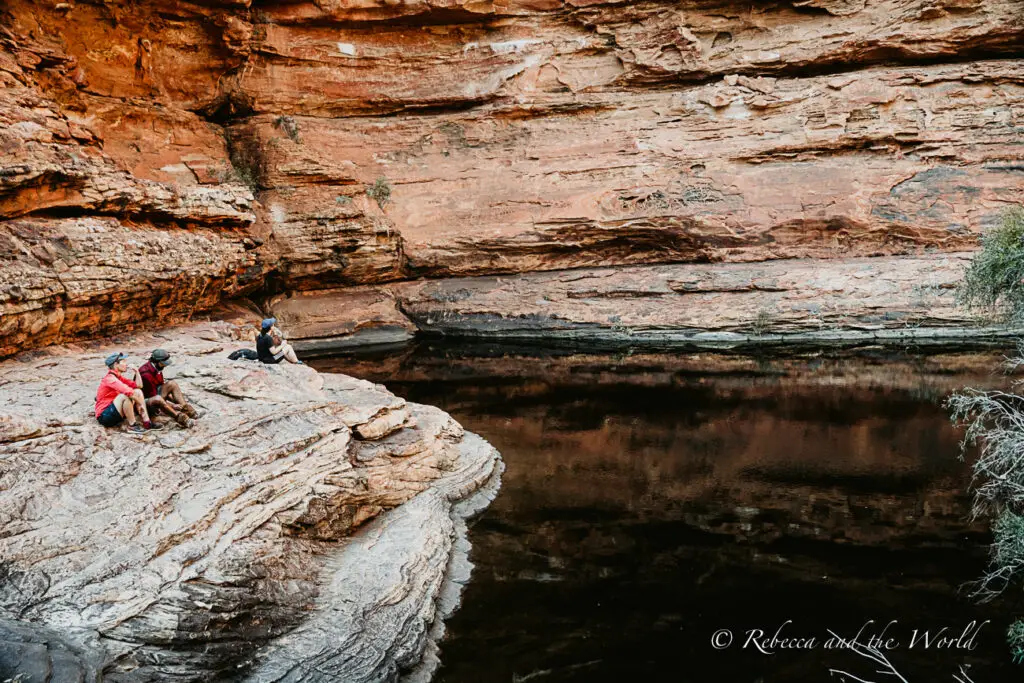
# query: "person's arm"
(147, 381)
(280, 347)
(117, 385)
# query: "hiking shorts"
(110, 417)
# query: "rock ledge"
(309, 528)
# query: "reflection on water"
(651, 501)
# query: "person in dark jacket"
(270, 345)
(165, 396)
(119, 398)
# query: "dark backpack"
(247, 354)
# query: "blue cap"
(268, 323)
(113, 358)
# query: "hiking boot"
(190, 411)
(183, 420)
(153, 426)
(135, 429)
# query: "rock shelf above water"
(305, 522)
(799, 301)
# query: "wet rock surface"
(225, 549)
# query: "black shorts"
(110, 417)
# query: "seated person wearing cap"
(164, 396)
(120, 398)
(271, 346)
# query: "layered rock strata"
(259, 545)
(89, 243)
(774, 302)
(310, 146)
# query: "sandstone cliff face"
(310, 146)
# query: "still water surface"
(655, 506)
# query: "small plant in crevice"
(380, 191)
(994, 281)
(290, 127)
(763, 322)
(246, 155)
(244, 170)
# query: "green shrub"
(994, 281)
(380, 191)
(1009, 539)
(1015, 637)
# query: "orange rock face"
(156, 158)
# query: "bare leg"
(157, 405)
(140, 405)
(126, 407)
(171, 392)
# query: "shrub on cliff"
(994, 421)
(994, 281)
(380, 191)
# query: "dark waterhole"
(655, 506)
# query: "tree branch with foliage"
(994, 420)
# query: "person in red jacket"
(164, 396)
(120, 399)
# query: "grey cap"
(113, 358)
(160, 356)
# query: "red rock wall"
(158, 157)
